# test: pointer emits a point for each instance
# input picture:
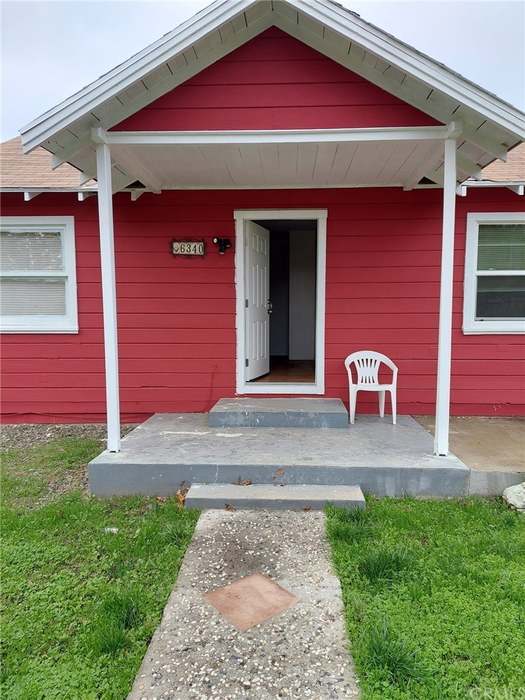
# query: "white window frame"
(471, 325)
(41, 323)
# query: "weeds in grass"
(79, 603)
(347, 515)
(107, 637)
(451, 612)
(384, 564)
(120, 611)
(349, 532)
(123, 607)
(391, 654)
(348, 524)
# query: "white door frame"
(242, 386)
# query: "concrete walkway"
(299, 653)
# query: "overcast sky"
(51, 49)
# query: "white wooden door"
(257, 287)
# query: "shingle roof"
(511, 171)
(34, 169)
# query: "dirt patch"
(71, 480)
(25, 435)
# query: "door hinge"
(246, 362)
(246, 303)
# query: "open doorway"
(291, 306)
(280, 282)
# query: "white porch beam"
(445, 301)
(109, 298)
(135, 194)
(203, 138)
(518, 189)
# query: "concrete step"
(278, 413)
(268, 496)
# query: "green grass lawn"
(79, 604)
(434, 594)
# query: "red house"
(264, 156)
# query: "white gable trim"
(262, 14)
(174, 43)
(408, 59)
(490, 127)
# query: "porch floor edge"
(169, 450)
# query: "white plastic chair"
(367, 364)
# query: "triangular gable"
(489, 126)
(275, 82)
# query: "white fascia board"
(202, 138)
(415, 63)
(493, 183)
(136, 67)
(44, 190)
(328, 14)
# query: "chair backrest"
(367, 364)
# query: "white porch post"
(109, 296)
(445, 301)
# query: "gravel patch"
(24, 435)
(300, 653)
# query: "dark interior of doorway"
(293, 269)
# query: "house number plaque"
(187, 247)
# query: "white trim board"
(206, 24)
(41, 323)
(271, 136)
(242, 386)
(471, 325)
(491, 126)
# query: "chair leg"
(381, 403)
(393, 399)
(352, 404)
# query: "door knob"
(269, 306)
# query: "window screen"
(25, 297)
(30, 250)
(501, 249)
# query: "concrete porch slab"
(384, 459)
(279, 413)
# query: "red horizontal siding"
(274, 82)
(177, 316)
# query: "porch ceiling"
(281, 165)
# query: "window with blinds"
(495, 274)
(37, 275)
